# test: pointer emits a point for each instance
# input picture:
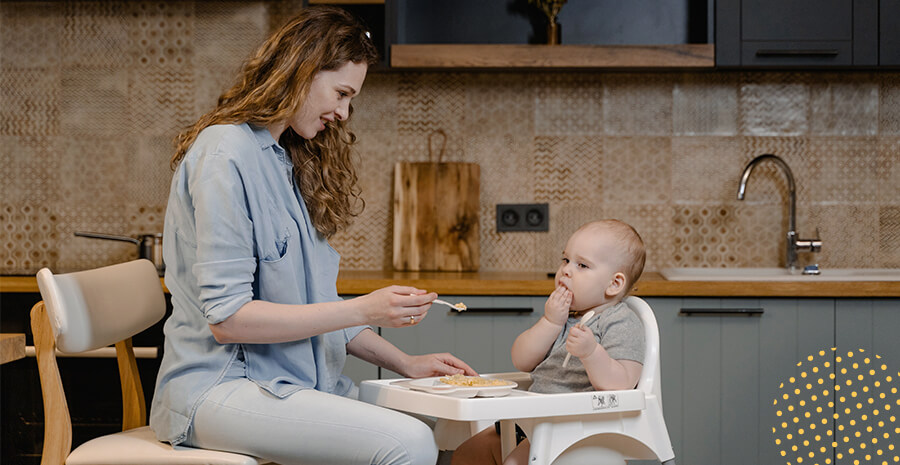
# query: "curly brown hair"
(272, 86)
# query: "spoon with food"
(460, 307)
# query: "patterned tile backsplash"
(92, 93)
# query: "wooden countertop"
(652, 284)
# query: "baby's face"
(588, 267)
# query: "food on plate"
(470, 381)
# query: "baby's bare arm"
(607, 373)
(530, 348)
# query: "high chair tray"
(517, 404)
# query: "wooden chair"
(88, 310)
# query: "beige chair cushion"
(139, 447)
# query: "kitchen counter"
(652, 284)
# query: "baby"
(600, 264)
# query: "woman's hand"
(581, 342)
(556, 310)
(394, 306)
(423, 366)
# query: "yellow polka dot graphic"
(841, 407)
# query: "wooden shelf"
(678, 56)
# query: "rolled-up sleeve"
(353, 331)
(225, 264)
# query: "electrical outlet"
(515, 217)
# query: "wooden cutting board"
(436, 216)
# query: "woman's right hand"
(395, 306)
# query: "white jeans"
(308, 428)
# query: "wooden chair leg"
(57, 423)
(134, 410)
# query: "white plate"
(435, 386)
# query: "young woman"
(258, 337)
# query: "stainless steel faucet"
(793, 243)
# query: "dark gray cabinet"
(868, 401)
(889, 30)
(722, 374)
(797, 33)
(721, 371)
(594, 22)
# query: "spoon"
(461, 307)
(587, 316)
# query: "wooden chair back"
(84, 311)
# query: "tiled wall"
(91, 94)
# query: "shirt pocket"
(274, 247)
(281, 278)
(273, 232)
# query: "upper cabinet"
(647, 34)
(581, 22)
(798, 33)
(634, 34)
(889, 29)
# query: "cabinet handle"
(793, 53)
(721, 312)
(493, 310)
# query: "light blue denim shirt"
(236, 230)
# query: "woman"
(258, 336)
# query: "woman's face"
(329, 98)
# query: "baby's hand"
(556, 310)
(581, 342)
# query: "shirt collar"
(265, 140)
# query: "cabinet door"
(481, 336)
(721, 371)
(651, 22)
(871, 325)
(866, 403)
(798, 33)
(889, 30)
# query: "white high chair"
(636, 431)
(89, 310)
(598, 427)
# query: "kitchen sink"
(780, 274)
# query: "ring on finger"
(412, 319)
